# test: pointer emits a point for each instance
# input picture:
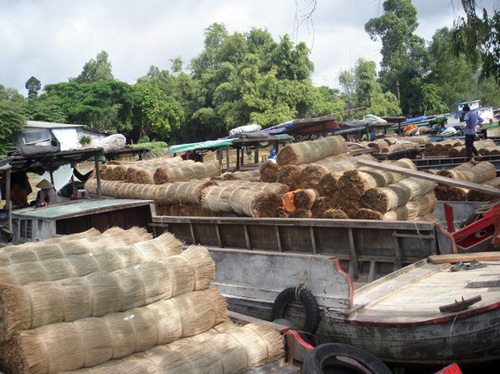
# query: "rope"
(419, 234)
(451, 329)
(303, 281)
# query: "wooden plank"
(481, 284)
(435, 178)
(465, 257)
(294, 222)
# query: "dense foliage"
(244, 78)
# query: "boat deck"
(415, 294)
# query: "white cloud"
(52, 39)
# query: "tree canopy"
(248, 77)
(477, 38)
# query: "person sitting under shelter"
(47, 193)
(18, 196)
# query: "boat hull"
(472, 339)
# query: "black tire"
(342, 358)
(307, 300)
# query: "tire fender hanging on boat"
(308, 301)
(342, 358)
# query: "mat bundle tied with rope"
(385, 199)
(420, 207)
(328, 185)
(483, 196)
(321, 205)
(91, 341)
(182, 192)
(90, 233)
(269, 172)
(381, 145)
(311, 175)
(442, 148)
(43, 251)
(335, 166)
(159, 161)
(354, 183)
(304, 199)
(335, 214)
(227, 348)
(364, 213)
(479, 173)
(483, 147)
(290, 175)
(247, 202)
(136, 191)
(311, 151)
(107, 187)
(108, 260)
(142, 175)
(249, 175)
(277, 188)
(97, 294)
(198, 170)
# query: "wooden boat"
(422, 314)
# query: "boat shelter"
(44, 159)
(225, 144)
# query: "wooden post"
(97, 174)
(8, 203)
(256, 155)
(237, 158)
(227, 157)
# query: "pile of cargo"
(120, 301)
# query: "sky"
(53, 39)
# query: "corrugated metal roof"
(50, 125)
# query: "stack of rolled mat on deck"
(456, 148)
(482, 173)
(120, 301)
(365, 193)
(319, 178)
(393, 144)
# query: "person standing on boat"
(472, 120)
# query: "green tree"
(476, 37)
(155, 113)
(363, 90)
(402, 52)
(33, 85)
(455, 77)
(348, 84)
(433, 104)
(101, 105)
(177, 64)
(12, 121)
(215, 35)
(96, 70)
(44, 109)
(10, 94)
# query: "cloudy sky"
(52, 39)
